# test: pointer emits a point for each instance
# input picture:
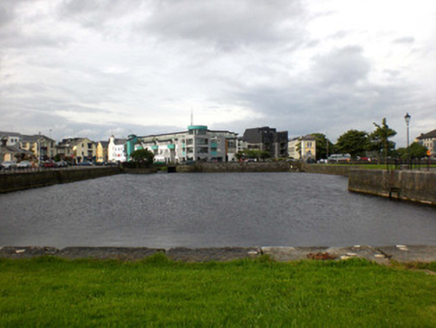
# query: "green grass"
(156, 292)
(381, 166)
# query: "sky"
(96, 68)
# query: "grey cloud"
(342, 66)
(405, 40)
(226, 24)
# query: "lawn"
(156, 292)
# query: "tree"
(379, 140)
(322, 144)
(142, 157)
(417, 150)
(352, 142)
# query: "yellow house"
(41, 146)
(101, 152)
(302, 148)
(84, 150)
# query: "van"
(339, 158)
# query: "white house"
(115, 150)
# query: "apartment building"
(265, 139)
(198, 143)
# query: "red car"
(49, 164)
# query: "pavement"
(382, 255)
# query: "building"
(77, 150)
(42, 147)
(18, 145)
(198, 143)
(101, 152)
(13, 138)
(303, 147)
(265, 139)
(428, 140)
(116, 150)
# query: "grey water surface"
(210, 210)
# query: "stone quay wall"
(416, 186)
(35, 179)
(238, 167)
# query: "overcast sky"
(100, 67)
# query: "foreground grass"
(159, 293)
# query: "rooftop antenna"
(192, 117)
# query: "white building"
(116, 150)
(197, 144)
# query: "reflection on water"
(210, 210)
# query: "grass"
(422, 167)
(156, 292)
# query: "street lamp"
(407, 118)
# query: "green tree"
(352, 142)
(323, 146)
(417, 150)
(379, 140)
(142, 157)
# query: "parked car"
(9, 165)
(85, 164)
(61, 164)
(49, 164)
(24, 165)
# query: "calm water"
(210, 210)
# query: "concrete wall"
(417, 186)
(26, 180)
(235, 167)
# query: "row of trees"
(360, 143)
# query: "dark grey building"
(266, 139)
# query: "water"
(210, 210)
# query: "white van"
(336, 158)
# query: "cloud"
(342, 67)
(226, 24)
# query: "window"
(189, 141)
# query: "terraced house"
(198, 143)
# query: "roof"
(12, 134)
(104, 143)
(428, 135)
(120, 141)
(34, 138)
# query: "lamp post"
(407, 118)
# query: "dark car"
(85, 164)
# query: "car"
(49, 164)
(9, 165)
(24, 165)
(85, 164)
(61, 164)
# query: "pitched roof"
(431, 134)
(12, 134)
(34, 138)
(120, 141)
